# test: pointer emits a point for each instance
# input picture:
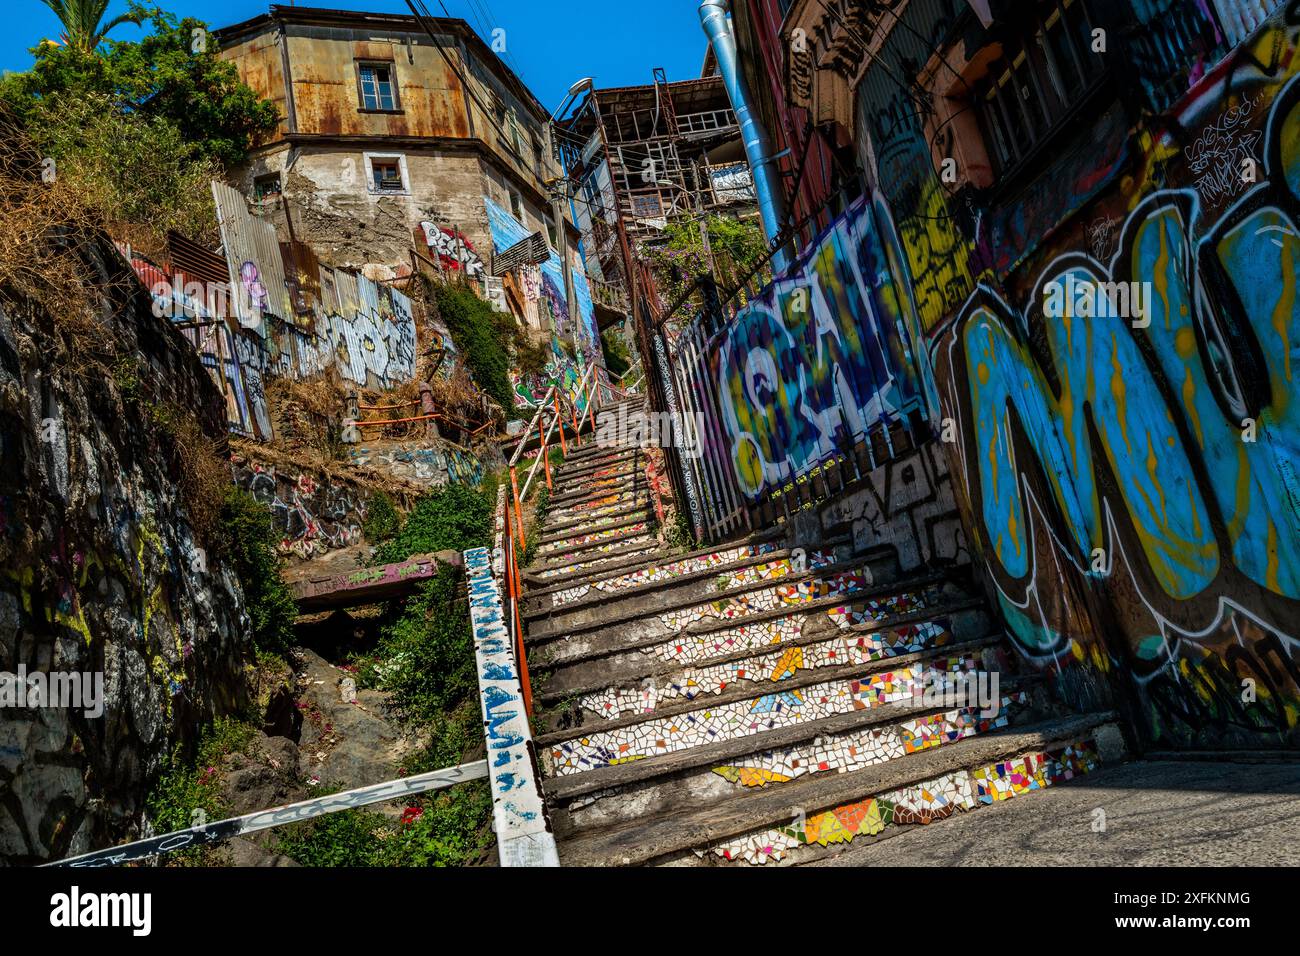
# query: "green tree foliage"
(83, 21)
(482, 335)
(248, 540)
(173, 75)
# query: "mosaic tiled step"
(620, 467)
(673, 572)
(617, 637)
(622, 622)
(801, 639)
(662, 837)
(664, 566)
(768, 668)
(594, 539)
(620, 556)
(744, 713)
(916, 805)
(578, 462)
(595, 507)
(607, 608)
(628, 484)
(842, 744)
(560, 530)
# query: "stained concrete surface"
(1157, 813)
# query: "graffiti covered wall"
(816, 361)
(1126, 456)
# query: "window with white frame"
(386, 174)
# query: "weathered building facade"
(401, 135)
(642, 156)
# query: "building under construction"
(640, 156)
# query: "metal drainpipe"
(758, 150)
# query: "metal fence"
(787, 392)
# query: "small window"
(266, 187)
(1045, 70)
(387, 175)
(378, 91)
(517, 205)
(551, 234)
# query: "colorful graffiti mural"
(506, 231)
(1129, 473)
(816, 362)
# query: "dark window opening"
(387, 175)
(1046, 69)
(378, 91)
(266, 187)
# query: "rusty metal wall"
(323, 63)
(253, 255)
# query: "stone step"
(674, 573)
(630, 624)
(559, 530)
(814, 640)
(623, 461)
(746, 709)
(757, 825)
(599, 489)
(564, 569)
(662, 566)
(578, 541)
(595, 507)
(580, 548)
(841, 744)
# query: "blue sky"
(549, 44)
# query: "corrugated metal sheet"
(253, 257)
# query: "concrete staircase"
(752, 703)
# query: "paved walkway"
(1158, 813)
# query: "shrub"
(454, 517)
(186, 786)
(482, 335)
(382, 519)
(248, 539)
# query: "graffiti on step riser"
(1151, 463)
(311, 516)
(816, 361)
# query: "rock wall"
(101, 573)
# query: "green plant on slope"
(445, 829)
(248, 538)
(187, 791)
(486, 338)
(382, 519)
(454, 517)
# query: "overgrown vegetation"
(618, 358)
(444, 830)
(679, 257)
(187, 792)
(248, 540)
(382, 518)
(137, 129)
(486, 339)
(454, 518)
(678, 534)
